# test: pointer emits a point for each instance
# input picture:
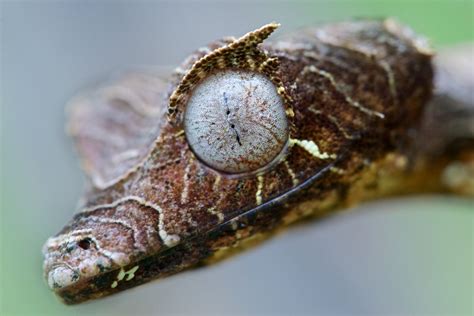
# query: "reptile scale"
(248, 136)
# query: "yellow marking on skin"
(391, 78)
(342, 129)
(337, 170)
(258, 195)
(128, 198)
(121, 275)
(397, 160)
(291, 173)
(317, 112)
(130, 274)
(333, 120)
(221, 62)
(217, 181)
(250, 62)
(262, 66)
(107, 220)
(201, 75)
(312, 148)
(234, 224)
(168, 240)
(349, 100)
(220, 215)
(181, 132)
(290, 112)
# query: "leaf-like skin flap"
(114, 127)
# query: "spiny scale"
(240, 54)
(352, 93)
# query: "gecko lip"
(60, 276)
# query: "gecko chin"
(70, 259)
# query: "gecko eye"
(235, 121)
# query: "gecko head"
(236, 121)
(77, 254)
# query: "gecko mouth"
(61, 275)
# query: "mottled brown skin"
(378, 64)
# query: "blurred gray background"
(411, 256)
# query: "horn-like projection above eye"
(235, 121)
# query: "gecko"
(249, 136)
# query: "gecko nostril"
(84, 243)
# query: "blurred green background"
(411, 256)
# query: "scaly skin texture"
(354, 95)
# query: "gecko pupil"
(235, 121)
